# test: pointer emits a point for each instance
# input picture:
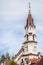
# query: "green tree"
(13, 63)
(7, 55)
(2, 59)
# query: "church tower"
(28, 53)
(30, 43)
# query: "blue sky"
(13, 15)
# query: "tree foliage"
(2, 58)
(13, 63)
(7, 55)
(0, 61)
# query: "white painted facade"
(29, 44)
(18, 59)
(32, 30)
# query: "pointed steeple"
(30, 21)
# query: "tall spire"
(30, 20)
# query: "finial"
(29, 8)
(29, 5)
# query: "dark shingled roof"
(19, 52)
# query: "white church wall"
(30, 38)
(31, 30)
(31, 57)
(32, 48)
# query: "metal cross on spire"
(29, 4)
(29, 8)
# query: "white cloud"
(13, 9)
(10, 36)
(9, 42)
(39, 28)
(12, 15)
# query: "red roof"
(6, 62)
(34, 60)
(38, 63)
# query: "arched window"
(22, 62)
